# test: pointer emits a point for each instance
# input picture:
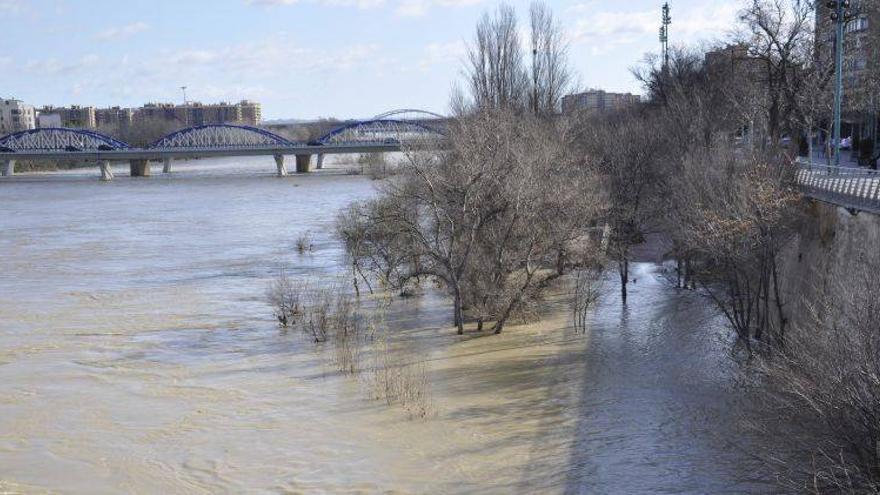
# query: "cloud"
(269, 3)
(269, 58)
(232, 92)
(55, 67)
(120, 32)
(194, 58)
(604, 30)
(12, 6)
(420, 8)
(404, 8)
(442, 54)
(360, 4)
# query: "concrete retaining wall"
(829, 241)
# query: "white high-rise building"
(15, 116)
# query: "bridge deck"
(159, 154)
(849, 187)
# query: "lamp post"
(185, 110)
(839, 15)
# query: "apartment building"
(16, 116)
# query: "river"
(138, 355)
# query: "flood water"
(138, 355)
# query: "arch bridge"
(389, 131)
(218, 140)
(220, 136)
(59, 139)
(410, 114)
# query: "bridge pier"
(139, 168)
(106, 171)
(279, 162)
(320, 164)
(166, 166)
(9, 168)
(303, 164)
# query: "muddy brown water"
(137, 355)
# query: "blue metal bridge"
(388, 132)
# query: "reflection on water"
(137, 354)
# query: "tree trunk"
(678, 272)
(623, 268)
(354, 280)
(560, 262)
(689, 282)
(458, 319)
(499, 326)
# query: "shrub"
(825, 383)
(396, 377)
(304, 243)
(286, 295)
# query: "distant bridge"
(377, 135)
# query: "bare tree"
(494, 68)
(821, 392)
(735, 214)
(627, 152)
(491, 219)
(779, 33)
(549, 72)
(661, 81)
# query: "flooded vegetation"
(139, 353)
(517, 300)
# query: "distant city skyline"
(304, 59)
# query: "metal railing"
(849, 187)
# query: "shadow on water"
(658, 407)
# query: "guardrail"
(849, 187)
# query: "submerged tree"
(736, 216)
(492, 220)
(626, 152)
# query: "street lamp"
(840, 16)
(185, 111)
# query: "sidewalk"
(848, 158)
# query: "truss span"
(382, 131)
(221, 136)
(409, 114)
(59, 139)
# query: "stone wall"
(830, 241)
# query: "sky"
(306, 58)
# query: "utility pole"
(840, 17)
(185, 108)
(666, 20)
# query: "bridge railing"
(849, 187)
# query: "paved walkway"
(848, 158)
